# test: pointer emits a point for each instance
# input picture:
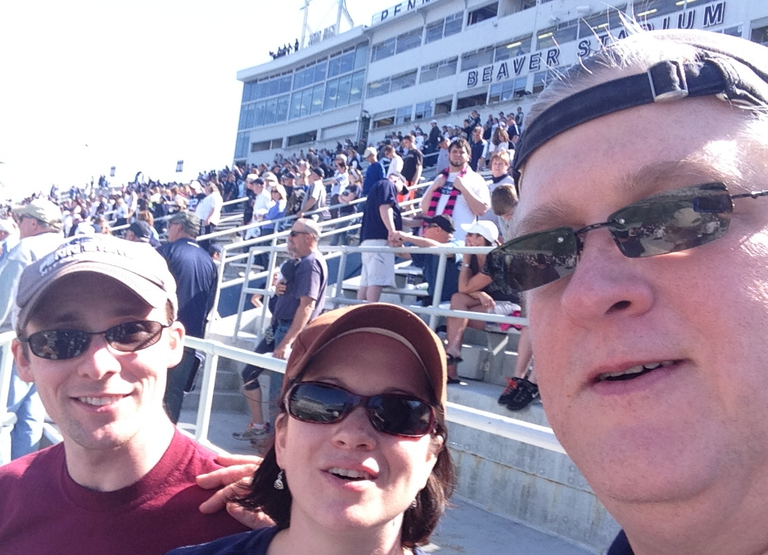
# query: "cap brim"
(382, 316)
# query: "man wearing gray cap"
(642, 247)
(40, 232)
(97, 332)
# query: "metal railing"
(532, 434)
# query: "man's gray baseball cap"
(137, 266)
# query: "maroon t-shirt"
(44, 512)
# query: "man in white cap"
(375, 171)
(39, 225)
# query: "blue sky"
(89, 84)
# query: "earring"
(279, 484)
(415, 503)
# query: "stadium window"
(467, 100)
(443, 105)
(308, 137)
(453, 24)
(760, 35)
(378, 88)
(477, 58)
(384, 119)
(403, 115)
(403, 81)
(356, 87)
(260, 146)
(428, 73)
(434, 31)
(423, 110)
(513, 49)
(483, 13)
(383, 50)
(447, 67)
(408, 41)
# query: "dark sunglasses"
(63, 344)
(389, 413)
(671, 221)
(295, 233)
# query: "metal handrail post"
(6, 368)
(338, 286)
(438, 293)
(205, 405)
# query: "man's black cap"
(444, 221)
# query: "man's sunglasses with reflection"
(62, 344)
(667, 222)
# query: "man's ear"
(176, 333)
(21, 356)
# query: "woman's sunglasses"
(389, 413)
(671, 221)
(63, 344)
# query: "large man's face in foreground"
(697, 427)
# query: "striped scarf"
(437, 193)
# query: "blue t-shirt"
(620, 546)
(372, 226)
(196, 278)
(429, 264)
(309, 280)
(255, 542)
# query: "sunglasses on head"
(671, 221)
(127, 337)
(390, 413)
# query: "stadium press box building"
(439, 59)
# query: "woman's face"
(475, 240)
(347, 476)
(499, 167)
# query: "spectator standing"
(315, 196)
(300, 299)
(262, 202)
(413, 163)
(196, 277)
(122, 481)
(499, 142)
(442, 154)
(375, 171)
(381, 222)
(476, 147)
(434, 136)
(395, 160)
(352, 192)
(458, 192)
(39, 224)
(340, 182)
(520, 118)
(499, 176)
(209, 211)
